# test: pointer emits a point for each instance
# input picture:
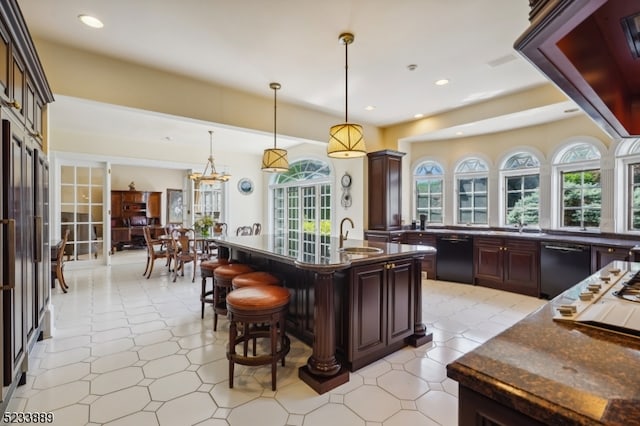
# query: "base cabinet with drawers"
(507, 264)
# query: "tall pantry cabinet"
(24, 201)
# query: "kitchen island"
(352, 308)
(541, 371)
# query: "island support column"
(420, 336)
(323, 372)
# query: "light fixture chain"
(275, 92)
(346, 82)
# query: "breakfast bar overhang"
(352, 304)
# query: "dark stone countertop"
(558, 373)
(321, 258)
(590, 238)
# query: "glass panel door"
(81, 211)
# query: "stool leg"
(281, 325)
(232, 350)
(273, 329)
(216, 301)
(202, 291)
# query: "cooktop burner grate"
(630, 289)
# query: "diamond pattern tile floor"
(132, 351)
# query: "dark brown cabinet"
(385, 186)
(507, 264)
(381, 309)
(422, 238)
(130, 212)
(24, 200)
(603, 255)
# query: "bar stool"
(254, 279)
(250, 306)
(222, 285)
(206, 271)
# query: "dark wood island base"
(352, 309)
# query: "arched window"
(520, 175)
(302, 206)
(628, 177)
(578, 169)
(472, 177)
(428, 180)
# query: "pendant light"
(213, 176)
(346, 140)
(275, 159)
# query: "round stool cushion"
(211, 265)
(231, 270)
(255, 278)
(257, 298)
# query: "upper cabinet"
(591, 50)
(385, 185)
(23, 87)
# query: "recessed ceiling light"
(459, 133)
(441, 82)
(91, 21)
(370, 107)
(412, 67)
(418, 116)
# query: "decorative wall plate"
(245, 186)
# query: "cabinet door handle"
(37, 250)
(11, 256)
(13, 104)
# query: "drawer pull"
(11, 256)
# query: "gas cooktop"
(608, 299)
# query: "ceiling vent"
(502, 60)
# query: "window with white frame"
(520, 175)
(580, 186)
(632, 163)
(428, 191)
(472, 192)
(301, 216)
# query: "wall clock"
(245, 186)
(346, 180)
(346, 196)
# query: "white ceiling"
(246, 44)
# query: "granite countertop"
(556, 372)
(320, 256)
(615, 240)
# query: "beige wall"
(86, 75)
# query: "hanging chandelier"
(209, 175)
(346, 140)
(275, 159)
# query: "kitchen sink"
(361, 250)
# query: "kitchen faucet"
(344, 237)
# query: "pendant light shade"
(209, 175)
(275, 159)
(346, 140)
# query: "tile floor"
(131, 351)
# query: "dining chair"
(155, 250)
(184, 251)
(244, 230)
(58, 265)
(257, 228)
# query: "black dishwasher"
(562, 266)
(454, 258)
